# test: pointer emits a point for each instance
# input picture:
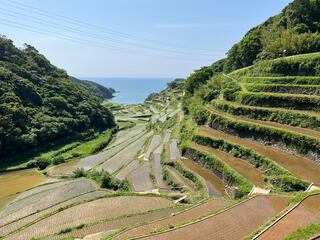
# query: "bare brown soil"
(306, 213)
(6, 200)
(207, 175)
(19, 181)
(304, 131)
(91, 212)
(202, 209)
(301, 167)
(242, 167)
(232, 224)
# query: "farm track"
(182, 180)
(233, 223)
(242, 167)
(301, 167)
(60, 194)
(303, 131)
(114, 224)
(91, 161)
(125, 156)
(214, 184)
(307, 212)
(90, 212)
(154, 143)
(194, 212)
(141, 178)
(174, 150)
(22, 222)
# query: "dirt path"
(307, 212)
(197, 211)
(174, 150)
(214, 184)
(232, 224)
(141, 178)
(301, 167)
(240, 166)
(304, 131)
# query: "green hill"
(38, 102)
(95, 88)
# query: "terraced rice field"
(23, 221)
(114, 224)
(307, 212)
(233, 223)
(91, 161)
(19, 181)
(154, 143)
(4, 201)
(141, 179)
(182, 180)
(301, 167)
(174, 150)
(55, 196)
(194, 212)
(214, 184)
(304, 131)
(90, 212)
(124, 156)
(242, 167)
(124, 136)
(125, 171)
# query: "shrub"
(58, 160)
(42, 162)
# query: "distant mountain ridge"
(94, 88)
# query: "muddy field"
(214, 184)
(125, 171)
(197, 211)
(174, 150)
(91, 212)
(306, 213)
(232, 224)
(301, 167)
(140, 178)
(154, 143)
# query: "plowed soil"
(232, 224)
(304, 131)
(306, 213)
(202, 209)
(242, 167)
(301, 167)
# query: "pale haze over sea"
(132, 90)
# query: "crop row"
(290, 101)
(295, 119)
(284, 88)
(298, 142)
(279, 177)
(284, 80)
(241, 185)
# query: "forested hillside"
(95, 88)
(295, 30)
(38, 102)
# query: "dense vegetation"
(94, 88)
(38, 102)
(295, 30)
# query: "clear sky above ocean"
(149, 38)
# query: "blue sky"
(151, 38)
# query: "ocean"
(132, 90)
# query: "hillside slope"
(38, 102)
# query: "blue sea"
(132, 90)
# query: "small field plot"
(197, 211)
(174, 150)
(141, 179)
(183, 181)
(22, 222)
(63, 193)
(232, 224)
(19, 181)
(125, 171)
(125, 156)
(307, 212)
(301, 167)
(124, 136)
(242, 167)
(114, 224)
(154, 143)
(90, 162)
(91, 212)
(214, 184)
